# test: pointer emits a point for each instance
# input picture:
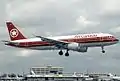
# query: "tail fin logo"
(14, 33)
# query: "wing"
(56, 42)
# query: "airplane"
(79, 42)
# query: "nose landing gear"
(103, 51)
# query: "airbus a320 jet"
(79, 42)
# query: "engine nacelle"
(77, 47)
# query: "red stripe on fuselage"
(90, 40)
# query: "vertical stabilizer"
(14, 32)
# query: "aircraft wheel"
(103, 51)
(66, 54)
(60, 52)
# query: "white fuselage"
(81, 40)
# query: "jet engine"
(77, 47)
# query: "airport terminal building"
(50, 73)
(47, 70)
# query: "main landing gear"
(60, 52)
(103, 51)
(66, 54)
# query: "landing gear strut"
(103, 51)
(67, 53)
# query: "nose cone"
(117, 40)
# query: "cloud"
(83, 21)
(111, 6)
(25, 53)
(25, 8)
(115, 29)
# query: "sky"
(60, 17)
